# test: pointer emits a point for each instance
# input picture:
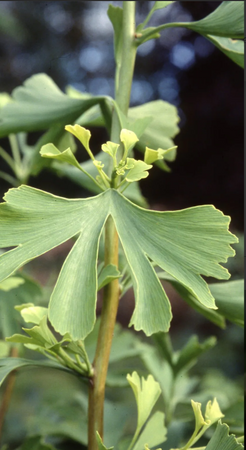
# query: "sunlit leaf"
(129, 139)
(160, 5)
(199, 419)
(33, 314)
(213, 412)
(100, 444)
(11, 283)
(110, 148)
(67, 156)
(154, 432)
(184, 243)
(221, 439)
(138, 170)
(146, 393)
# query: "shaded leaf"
(115, 14)
(186, 295)
(184, 243)
(229, 297)
(28, 291)
(7, 365)
(161, 130)
(39, 103)
(221, 439)
(108, 273)
(36, 443)
(191, 351)
(160, 5)
(227, 21)
(232, 48)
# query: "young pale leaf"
(146, 393)
(34, 314)
(50, 151)
(82, 134)
(213, 412)
(138, 170)
(154, 432)
(110, 148)
(100, 444)
(129, 139)
(27, 291)
(151, 155)
(11, 283)
(39, 103)
(222, 441)
(199, 419)
(184, 243)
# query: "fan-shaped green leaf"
(184, 243)
(146, 393)
(232, 48)
(154, 432)
(222, 441)
(39, 103)
(229, 297)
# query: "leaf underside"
(186, 244)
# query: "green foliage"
(178, 247)
(185, 255)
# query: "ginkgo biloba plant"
(118, 243)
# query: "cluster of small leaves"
(41, 339)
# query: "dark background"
(73, 43)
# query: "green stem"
(8, 159)
(15, 152)
(111, 292)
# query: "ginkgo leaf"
(153, 434)
(146, 393)
(110, 148)
(199, 419)
(213, 412)
(186, 244)
(221, 440)
(11, 283)
(129, 139)
(67, 156)
(100, 443)
(39, 103)
(138, 170)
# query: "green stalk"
(111, 291)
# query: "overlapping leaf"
(39, 103)
(184, 243)
(221, 439)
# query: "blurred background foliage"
(72, 41)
